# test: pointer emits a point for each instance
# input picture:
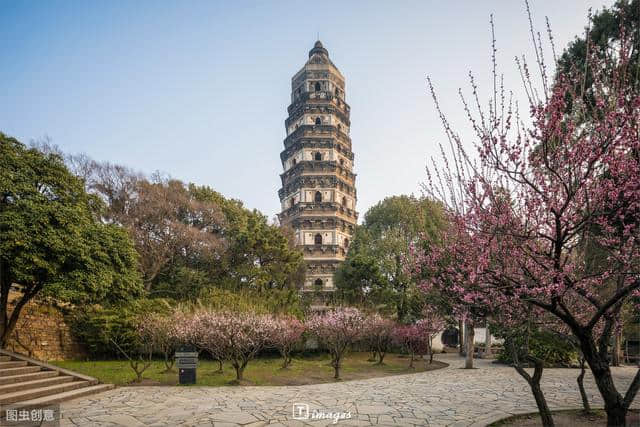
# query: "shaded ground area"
(567, 419)
(262, 372)
(444, 397)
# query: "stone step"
(42, 382)
(18, 371)
(5, 358)
(12, 364)
(34, 393)
(64, 396)
(27, 377)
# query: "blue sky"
(199, 90)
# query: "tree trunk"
(139, 366)
(430, 350)
(219, 366)
(487, 342)
(381, 356)
(239, 372)
(534, 383)
(5, 286)
(8, 322)
(286, 360)
(460, 337)
(135, 367)
(614, 404)
(168, 361)
(545, 413)
(615, 349)
(583, 393)
(470, 334)
(336, 368)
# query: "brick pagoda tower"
(318, 194)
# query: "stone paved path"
(446, 397)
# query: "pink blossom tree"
(337, 330)
(139, 347)
(186, 328)
(202, 330)
(522, 212)
(236, 337)
(431, 324)
(162, 331)
(377, 334)
(284, 335)
(413, 338)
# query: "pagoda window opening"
(318, 121)
(318, 197)
(318, 87)
(318, 283)
(344, 201)
(318, 156)
(292, 202)
(346, 243)
(317, 239)
(294, 161)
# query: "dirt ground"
(567, 419)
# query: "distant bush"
(553, 349)
(98, 327)
(276, 301)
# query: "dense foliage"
(101, 328)
(553, 349)
(52, 242)
(373, 273)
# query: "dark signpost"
(186, 361)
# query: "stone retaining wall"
(42, 333)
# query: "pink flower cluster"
(236, 337)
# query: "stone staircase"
(26, 382)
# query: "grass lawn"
(263, 371)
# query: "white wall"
(478, 338)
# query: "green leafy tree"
(191, 238)
(260, 256)
(359, 278)
(375, 263)
(51, 239)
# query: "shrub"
(554, 350)
(276, 301)
(99, 327)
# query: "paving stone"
(445, 397)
